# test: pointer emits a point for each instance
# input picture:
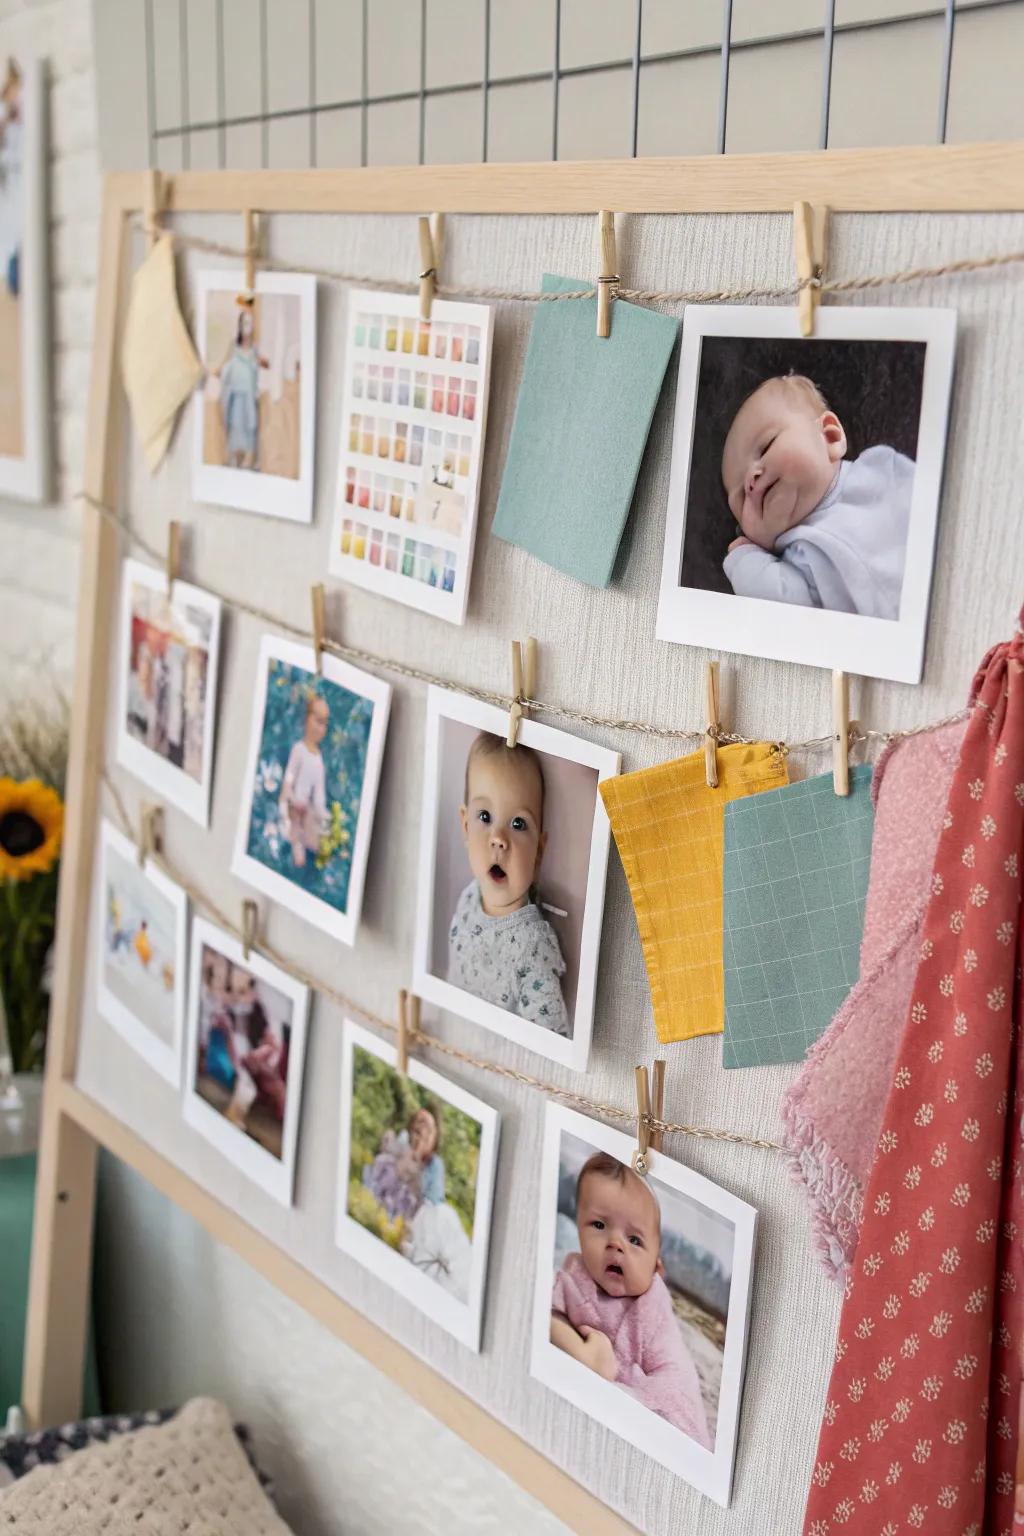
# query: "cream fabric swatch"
(189, 1474)
(159, 364)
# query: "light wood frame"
(972, 178)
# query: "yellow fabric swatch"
(668, 829)
(158, 361)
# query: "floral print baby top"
(513, 962)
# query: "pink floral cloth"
(654, 1363)
(921, 1423)
(833, 1108)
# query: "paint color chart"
(413, 419)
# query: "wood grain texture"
(547, 1482)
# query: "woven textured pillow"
(188, 1477)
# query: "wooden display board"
(976, 178)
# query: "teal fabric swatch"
(582, 418)
(794, 882)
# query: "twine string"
(358, 656)
(860, 284)
(420, 1037)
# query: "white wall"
(38, 545)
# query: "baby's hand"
(597, 1352)
(736, 543)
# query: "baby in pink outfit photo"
(611, 1309)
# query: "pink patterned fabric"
(833, 1110)
(920, 1427)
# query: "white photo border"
(750, 626)
(275, 1177)
(338, 925)
(171, 783)
(709, 1471)
(450, 606)
(244, 489)
(27, 475)
(165, 1060)
(464, 1320)
(444, 704)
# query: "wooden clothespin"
(173, 553)
(317, 598)
(250, 922)
(643, 1122)
(810, 239)
(841, 733)
(524, 684)
(408, 1027)
(250, 225)
(431, 250)
(712, 725)
(153, 208)
(608, 279)
(151, 832)
(658, 1103)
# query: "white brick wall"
(39, 545)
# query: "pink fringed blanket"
(833, 1109)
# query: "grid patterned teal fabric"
(794, 882)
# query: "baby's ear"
(659, 1268)
(835, 437)
(464, 822)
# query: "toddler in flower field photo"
(501, 947)
(816, 528)
(611, 1309)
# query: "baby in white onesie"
(501, 947)
(817, 529)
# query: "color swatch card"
(584, 411)
(415, 408)
(794, 881)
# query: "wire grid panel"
(794, 881)
(308, 82)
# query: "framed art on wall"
(513, 860)
(255, 416)
(24, 265)
(311, 784)
(806, 473)
(416, 1166)
(170, 648)
(412, 434)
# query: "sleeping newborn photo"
(806, 475)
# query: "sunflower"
(31, 826)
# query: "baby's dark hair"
(609, 1167)
(486, 744)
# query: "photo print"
(416, 1172)
(413, 420)
(170, 645)
(141, 975)
(806, 475)
(255, 412)
(513, 859)
(311, 784)
(24, 457)
(642, 1297)
(246, 1043)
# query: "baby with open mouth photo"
(501, 947)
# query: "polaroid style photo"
(513, 859)
(143, 945)
(412, 434)
(642, 1298)
(255, 413)
(311, 784)
(416, 1167)
(246, 1042)
(24, 339)
(170, 645)
(806, 474)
